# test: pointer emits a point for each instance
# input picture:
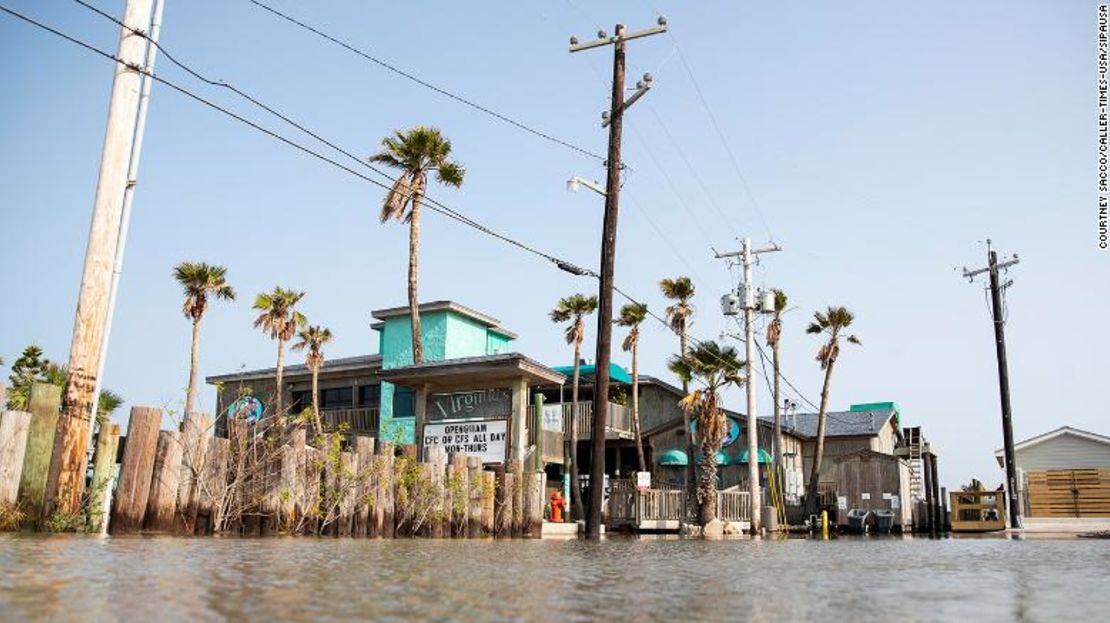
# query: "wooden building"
(870, 480)
(1063, 473)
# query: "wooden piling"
(349, 490)
(43, 402)
(165, 480)
(533, 518)
(364, 449)
(460, 495)
(14, 429)
(517, 491)
(383, 509)
(212, 486)
(437, 457)
(423, 501)
(312, 477)
(136, 470)
(104, 473)
(194, 442)
(474, 515)
(489, 491)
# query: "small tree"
(574, 308)
(280, 319)
(632, 315)
(313, 338)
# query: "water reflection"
(621, 579)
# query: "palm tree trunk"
(707, 485)
(575, 485)
(414, 302)
(780, 468)
(279, 373)
(636, 405)
(683, 342)
(819, 455)
(316, 402)
(194, 364)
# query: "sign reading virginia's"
(484, 438)
(485, 403)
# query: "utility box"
(766, 301)
(730, 304)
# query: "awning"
(587, 373)
(764, 457)
(672, 458)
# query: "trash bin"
(884, 521)
(857, 520)
(769, 518)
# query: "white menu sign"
(485, 438)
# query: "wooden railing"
(618, 422)
(629, 506)
(363, 420)
(734, 505)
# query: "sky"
(880, 144)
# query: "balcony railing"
(360, 421)
(618, 422)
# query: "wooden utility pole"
(608, 258)
(747, 259)
(66, 481)
(993, 268)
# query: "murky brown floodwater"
(159, 579)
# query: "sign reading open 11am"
(484, 438)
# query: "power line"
(426, 84)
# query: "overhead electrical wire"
(424, 83)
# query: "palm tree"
(106, 405)
(831, 322)
(681, 290)
(632, 315)
(574, 308)
(774, 339)
(415, 153)
(313, 338)
(718, 368)
(281, 320)
(200, 281)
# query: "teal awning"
(672, 458)
(764, 457)
(586, 373)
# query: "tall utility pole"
(993, 269)
(747, 258)
(608, 256)
(66, 479)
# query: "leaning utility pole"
(993, 268)
(747, 258)
(608, 256)
(66, 479)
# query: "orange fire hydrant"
(557, 506)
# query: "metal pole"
(605, 293)
(66, 480)
(753, 429)
(128, 196)
(1004, 390)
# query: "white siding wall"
(1064, 452)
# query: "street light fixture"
(575, 182)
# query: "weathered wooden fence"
(267, 479)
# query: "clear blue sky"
(881, 143)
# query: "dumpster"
(857, 520)
(884, 521)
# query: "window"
(404, 402)
(302, 399)
(370, 396)
(336, 398)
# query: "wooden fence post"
(14, 428)
(194, 441)
(364, 448)
(348, 491)
(383, 507)
(104, 473)
(136, 470)
(517, 491)
(437, 456)
(500, 522)
(164, 483)
(534, 505)
(213, 486)
(474, 478)
(460, 495)
(313, 464)
(489, 490)
(43, 405)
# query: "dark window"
(302, 399)
(404, 402)
(336, 398)
(370, 396)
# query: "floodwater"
(620, 579)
